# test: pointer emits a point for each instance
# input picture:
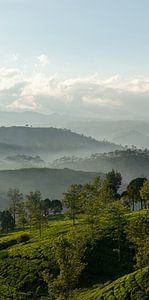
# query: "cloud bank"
(114, 97)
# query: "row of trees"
(88, 199)
(32, 211)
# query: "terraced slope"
(134, 286)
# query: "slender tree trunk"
(133, 204)
(141, 204)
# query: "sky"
(75, 57)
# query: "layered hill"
(49, 141)
(130, 163)
(130, 132)
(132, 137)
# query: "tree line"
(104, 211)
(93, 197)
(87, 199)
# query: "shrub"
(23, 238)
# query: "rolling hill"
(49, 141)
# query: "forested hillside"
(130, 163)
(28, 140)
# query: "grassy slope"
(21, 265)
(134, 286)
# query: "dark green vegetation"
(132, 286)
(130, 163)
(90, 252)
(26, 268)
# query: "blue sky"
(88, 36)
(75, 39)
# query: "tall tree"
(14, 196)
(114, 178)
(7, 221)
(71, 201)
(105, 193)
(34, 210)
(21, 214)
(46, 206)
(133, 190)
(91, 201)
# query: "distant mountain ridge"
(95, 126)
(29, 140)
(132, 137)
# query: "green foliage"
(23, 238)
(144, 193)
(115, 214)
(7, 221)
(15, 197)
(46, 206)
(133, 286)
(56, 206)
(35, 211)
(68, 255)
(72, 201)
(138, 233)
(114, 179)
(91, 202)
(105, 193)
(133, 190)
(21, 214)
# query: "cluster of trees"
(92, 197)
(32, 210)
(88, 199)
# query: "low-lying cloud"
(114, 96)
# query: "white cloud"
(99, 101)
(87, 95)
(27, 103)
(9, 77)
(43, 60)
